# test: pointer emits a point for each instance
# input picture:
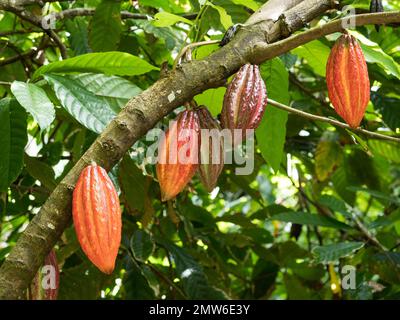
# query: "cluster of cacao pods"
(195, 134)
(347, 80)
(96, 214)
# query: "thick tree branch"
(333, 122)
(140, 115)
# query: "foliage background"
(319, 198)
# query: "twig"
(193, 45)
(332, 122)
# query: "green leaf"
(225, 18)
(105, 28)
(132, 182)
(115, 91)
(35, 101)
(82, 282)
(212, 99)
(310, 219)
(327, 155)
(83, 105)
(113, 62)
(194, 281)
(316, 54)
(374, 54)
(13, 138)
(40, 171)
(333, 252)
(166, 19)
(389, 150)
(142, 245)
(272, 131)
(389, 107)
(135, 283)
(251, 4)
(78, 29)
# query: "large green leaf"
(272, 131)
(40, 171)
(389, 150)
(225, 18)
(310, 219)
(333, 252)
(194, 281)
(13, 138)
(374, 54)
(83, 105)
(35, 101)
(132, 182)
(316, 54)
(105, 28)
(142, 245)
(212, 99)
(115, 91)
(251, 4)
(327, 155)
(389, 108)
(165, 19)
(112, 63)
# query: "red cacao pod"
(245, 100)
(46, 282)
(211, 156)
(178, 154)
(347, 80)
(97, 217)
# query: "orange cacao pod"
(178, 154)
(46, 282)
(347, 80)
(97, 217)
(245, 100)
(211, 157)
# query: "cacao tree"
(94, 93)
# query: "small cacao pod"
(245, 100)
(97, 217)
(46, 282)
(178, 154)
(347, 80)
(211, 157)
(376, 6)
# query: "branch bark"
(140, 115)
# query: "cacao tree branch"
(139, 115)
(333, 122)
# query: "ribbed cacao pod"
(46, 282)
(97, 217)
(245, 100)
(178, 154)
(376, 6)
(347, 80)
(211, 155)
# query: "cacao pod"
(245, 100)
(347, 80)
(211, 157)
(46, 282)
(178, 154)
(97, 217)
(376, 6)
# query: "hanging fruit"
(97, 217)
(211, 155)
(178, 154)
(347, 80)
(245, 100)
(46, 282)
